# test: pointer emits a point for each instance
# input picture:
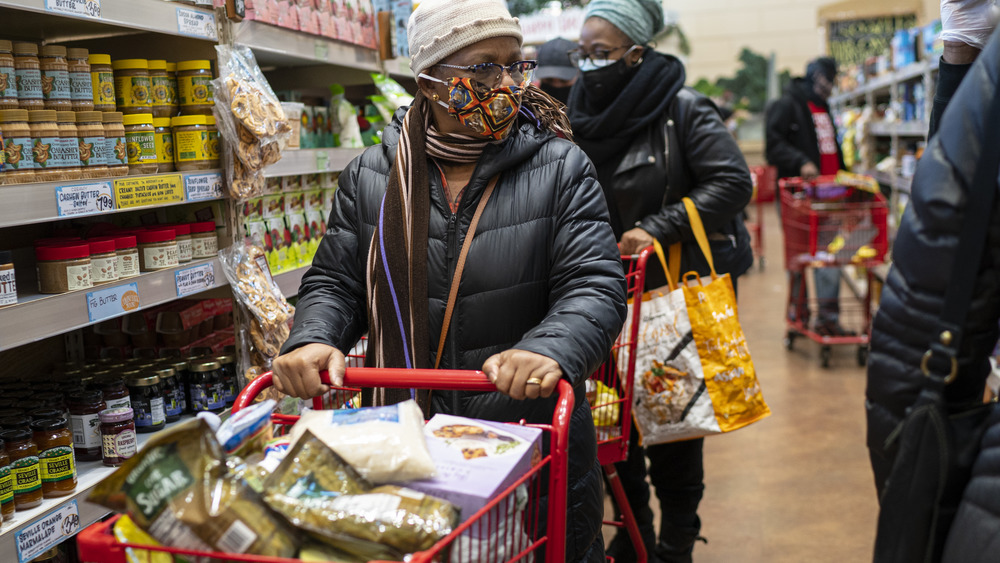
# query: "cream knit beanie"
(439, 28)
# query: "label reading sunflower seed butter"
(132, 92)
(141, 147)
(57, 464)
(17, 153)
(103, 84)
(161, 90)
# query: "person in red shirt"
(801, 140)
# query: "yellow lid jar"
(132, 86)
(194, 88)
(140, 142)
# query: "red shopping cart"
(831, 225)
(534, 536)
(612, 408)
(764, 182)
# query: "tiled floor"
(797, 486)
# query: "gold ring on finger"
(534, 381)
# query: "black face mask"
(560, 93)
(603, 85)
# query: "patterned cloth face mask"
(491, 113)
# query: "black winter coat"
(790, 134)
(543, 274)
(686, 153)
(924, 250)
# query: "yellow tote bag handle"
(699, 234)
(663, 262)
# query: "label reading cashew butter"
(115, 151)
(55, 85)
(8, 88)
(42, 152)
(92, 151)
(29, 83)
(80, 87)
(17, 153)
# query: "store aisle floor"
(797, 486)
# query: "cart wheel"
(862, 356)
(824, 356)
(790, 340)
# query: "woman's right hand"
(297, 372)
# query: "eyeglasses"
(579, 56)
(490, 75)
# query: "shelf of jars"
(886, 81)
(22, 204)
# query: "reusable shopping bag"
(693, 373)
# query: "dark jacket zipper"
(450, 344)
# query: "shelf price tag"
(322, 161)
(322, 50)
(47, 532)
(203, 186)
(141, 191)
(196, 23)
(195, 279)
(82, 8)
(84, 199)
(113, 301)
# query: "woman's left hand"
(635, 240)
(520, 374)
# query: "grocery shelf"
(897, 182)
(905, 74)
(22, 204)
(70, 20)
(289, 281)
(37, 316)
(898, 129)
(312, 161)
(89, 474)
(277, 46)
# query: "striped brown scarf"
(396, 277)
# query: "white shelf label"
(322, 161)
(321, 50)
(113, 301)
(196, 23)
(84, 199)
(203, 186)
(47, 531)
(82, 8)
(194, 279)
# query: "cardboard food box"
(477, 460)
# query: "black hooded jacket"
(543, 274)
(790, 135)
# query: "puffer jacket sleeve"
(924, 253)
(331, 307)
(779, 149)
(722, 184)
(586, 280)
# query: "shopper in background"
(543, 243)
(907, 320)
(801, 140)
(556, 73)
(655, 142)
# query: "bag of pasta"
(179, 490)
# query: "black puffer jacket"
(543, 275)
(908, 317)
(790, 132)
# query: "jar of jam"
(55, 455)
(194, 87)
(115, 150)
(90, 127)
(157, 250)
(117, 436)
(24, 466)
(19, 162)
(140, 140)
(206, 389)
(102, 80)
(6, 484)
(81, 90)
(147, 402)
(171, 404)
(84, 410)
(160, 81)
(164, 140)
(55, 78)
(230, 380)
(132, 86)
(8, 87)
(48, 412)
(103, 261)
(204, 242)
(29, 76)
(116, 393)
(181, 370)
